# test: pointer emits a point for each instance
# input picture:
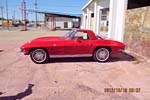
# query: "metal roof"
(56, 13)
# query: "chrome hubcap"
(39, 55)
(102, 54)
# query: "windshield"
(70, 34)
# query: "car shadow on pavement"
(123, 56)
(19, 96)
(71, 59)
(114, 58)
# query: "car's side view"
(76, 43)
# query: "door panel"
(57, 48)
(74, 47)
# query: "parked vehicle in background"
(7, 23)
(76, 43)
(16, 23)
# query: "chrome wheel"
(39, 56)
(102, 54)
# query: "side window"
(82, 36)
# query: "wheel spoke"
(102, 54)
(39, 55)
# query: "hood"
(41, 39)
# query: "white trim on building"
(86, 5)
(109, 16)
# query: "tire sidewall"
(46, 58)
(95, 55)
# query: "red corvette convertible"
(76, 43)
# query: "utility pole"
(25, 15)
(14, 17)
(36, 13)
(7, 15)
(22, 11)
(2, 12)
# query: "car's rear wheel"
(101, 54)
(39, 56)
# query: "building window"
(104, 14)
(104, 11)
(92, 14)
(103, 17)
(104, 22)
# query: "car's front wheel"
(39, 56)
(101, 54)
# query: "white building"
(58, 20)
(105, 17)
(61, 21)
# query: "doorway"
(65, 24)
(104, 21)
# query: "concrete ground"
(69, 78)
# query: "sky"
(64, 6)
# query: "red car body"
(63, 46)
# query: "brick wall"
(137, 31)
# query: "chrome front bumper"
(24, 52)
